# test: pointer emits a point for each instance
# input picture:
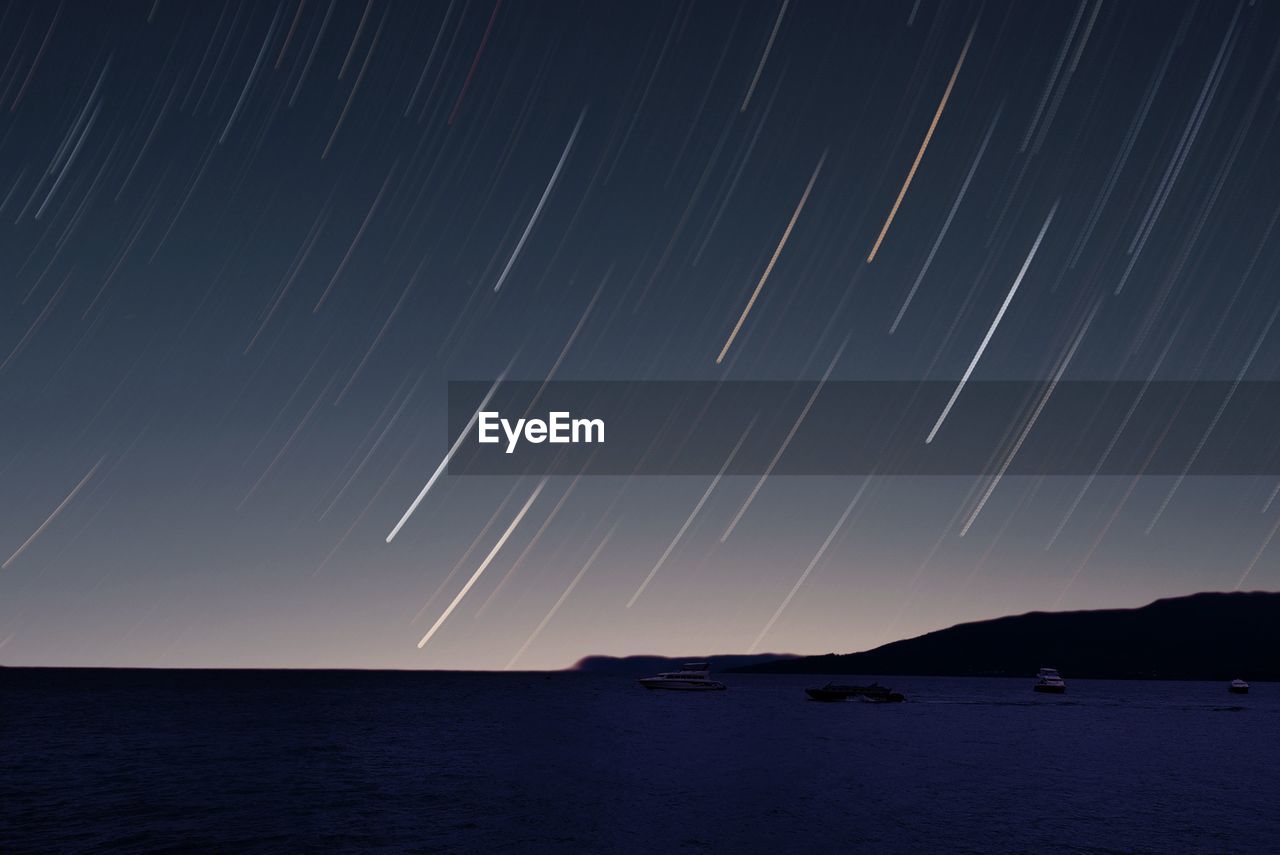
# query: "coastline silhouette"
(1205, 636)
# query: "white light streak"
(444, 464)
(698, 507)
(484, 565)
(764, 57)
(564, 155)
(785, 443)
(822, 550)
(560, 602)
(30, 540)
(1044, 399)
(995, 323)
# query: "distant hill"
(1209, 636)
(642, 665)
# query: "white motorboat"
(1238, 687)
(692, 677)
(1050, 681)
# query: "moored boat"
(692, 677)
(874, 693)
(1238, 687)
(1049, 681)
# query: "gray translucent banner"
(869, 427)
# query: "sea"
(368, 761)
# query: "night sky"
(244, 247)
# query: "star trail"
(244, 247)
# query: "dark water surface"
(359, 761)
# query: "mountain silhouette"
(1206, 636)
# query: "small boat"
(692, 677)
(1048, 680)
(873, 694)
(1238, 687)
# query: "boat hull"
(1238, 690)
(684, 685)
(1050, 690)
(878, 695)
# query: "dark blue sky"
(244, 246)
